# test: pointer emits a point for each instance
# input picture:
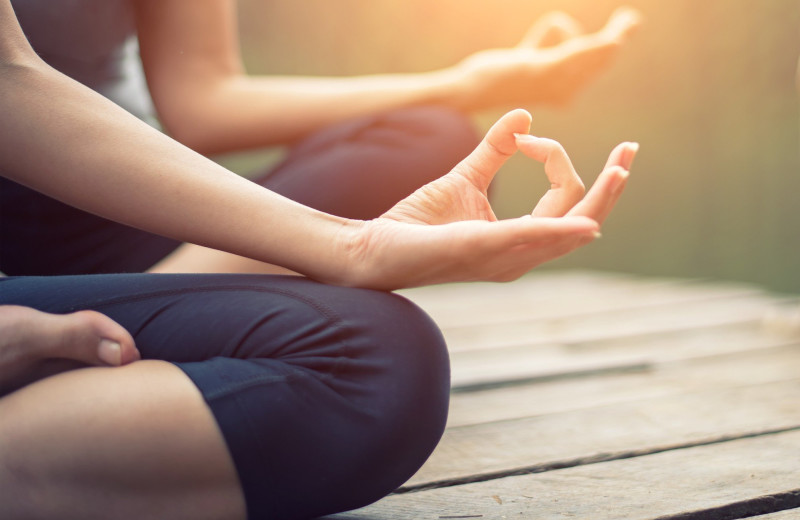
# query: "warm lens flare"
(708, 89)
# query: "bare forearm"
(206, 100)
(61, 138)
(244, 112)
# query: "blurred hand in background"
(554, 61)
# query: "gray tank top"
(93, 42)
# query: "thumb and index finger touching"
(503, 139)
(499, 144)
(566, 196)
(550, 30)
(559, 28)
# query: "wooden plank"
(480, 368)
(531, 286)
(542, 288)
(608, 325)
(613, 431)
(752, 474)
(699, 375)
(560, 296)
(789, 514)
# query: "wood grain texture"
(663, 485)
(789, 514)
(478, 368)
(605, 396)
(566, 295)
(640, 321)
(663, 379)
(620, 430)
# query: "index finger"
(550, 30)
(622, 23)
(566, 187)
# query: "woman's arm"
(63, 139)
(205, 100)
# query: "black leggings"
(356, 169)
(328, 398)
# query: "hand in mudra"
(446, 230)
(551, 64)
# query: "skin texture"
(451, 219)
(175, 192)
(34, 345)
(206, 100)
(138, 441)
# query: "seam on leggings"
(251, 382)
(153, 316)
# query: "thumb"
(102, 342)
(482, 164)
(550, 30)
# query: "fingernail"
(617, 182)
(524, 137)
(597, 234)
(110, 352)
(628, 160)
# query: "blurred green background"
(707, 88)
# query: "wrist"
(478, 81)
(450, 87)
(357, 255)
(338, 253)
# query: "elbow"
(20, 58)
(196, 114)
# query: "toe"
(96, 339)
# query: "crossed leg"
(35, 344)
(278, 389)
(128, 442)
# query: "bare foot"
(35, 344)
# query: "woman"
(358, 145)
(256, 396)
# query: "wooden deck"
(598, 397)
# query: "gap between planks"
(748, 473)
(623, 430)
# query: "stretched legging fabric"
(328, 398)
(356, 169)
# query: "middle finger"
(566, 187)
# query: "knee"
(358, 402)
(444, 133)
(409, 401)
(416, 381)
